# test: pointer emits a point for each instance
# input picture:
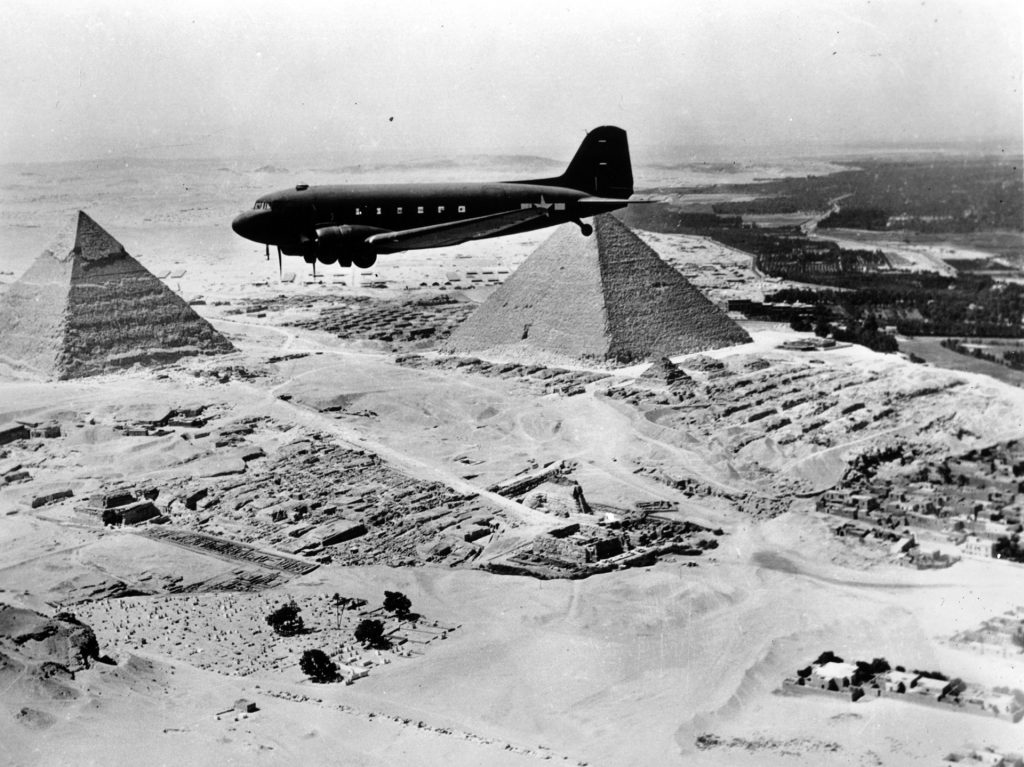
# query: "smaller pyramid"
(87, 307)
(666, 372)
(604, 297)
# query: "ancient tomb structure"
(87, 307)
(604, 297)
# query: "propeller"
(267, 245)
(280, 266)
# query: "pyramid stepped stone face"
(604, 297)
(667, 372)
(87, 307)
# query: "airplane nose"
(252, 225)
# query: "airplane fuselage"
(289, 214)
(356, 223)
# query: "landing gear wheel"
(586, 230)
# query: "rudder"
(601, 165)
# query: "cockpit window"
(261, 205)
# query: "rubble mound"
(705, 364)
(664, 371)
(62, 640)
(86, 307)
(605, 297)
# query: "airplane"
(353, 224)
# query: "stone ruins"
(605, 297)
(86, 307)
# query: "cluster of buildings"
(336, 503)
(620, 538)
(975, 500)
(360, 317)
(389, 321)
(540, 378)
(863, 680)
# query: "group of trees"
(921, 304)
(1008, 547)
(286, 620)
(940, 194)
(1013, 358)
(864, 332)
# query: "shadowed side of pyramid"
(87, 307)
(606, 297)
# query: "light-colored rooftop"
(835, 670)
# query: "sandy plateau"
(264, 465)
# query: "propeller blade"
(280, 266)
(268, 251)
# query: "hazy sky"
(93, 79)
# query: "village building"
(573, 545)
(973, 546)
(833, 676)
(897, 681)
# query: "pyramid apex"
(92, 241)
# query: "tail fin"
(600, 168)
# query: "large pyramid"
(604, 297)
(86, 307)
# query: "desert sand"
(628, 667)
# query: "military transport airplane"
(356, 223)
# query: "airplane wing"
(613, 201)
(454, 232)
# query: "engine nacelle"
(346, 244)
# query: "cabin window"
(359, 211)
(399, 209)
(378, 211)
(419, 209)
(462, 209)
(440, 208)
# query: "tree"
(800, 324)
(370, 632)
(286, 620)
(954, 689)
(318, 667)
(397, 602)
(827, 657)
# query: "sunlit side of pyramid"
(87, 307)
(604, 297)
